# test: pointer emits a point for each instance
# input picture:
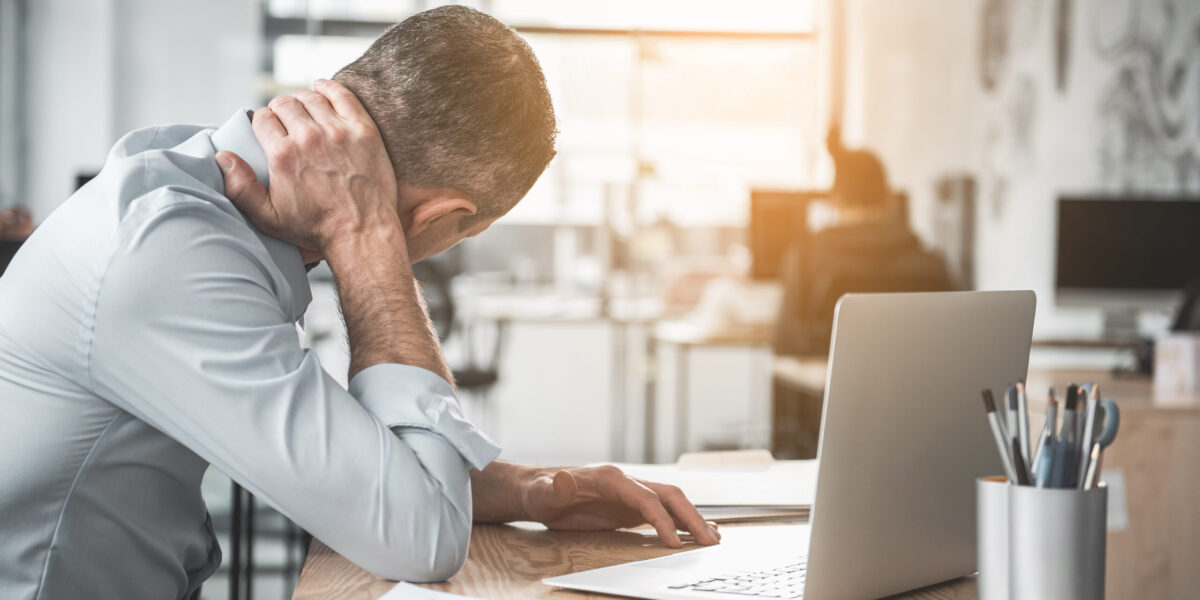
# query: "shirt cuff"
(407, 396)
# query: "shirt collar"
(237, 136)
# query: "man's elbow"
(447, 553)
(432, 553)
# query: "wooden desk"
(1157, 451)
(509, 561)
(1153, 557)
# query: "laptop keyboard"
(786, 581)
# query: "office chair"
(481, 340)
(805, 323)
(8, 249)
(818, 282)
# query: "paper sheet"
(785, 483)
(408, 591)
(1118, 509)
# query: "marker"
(1002, 440)
(1062, 465)
(1067, 432)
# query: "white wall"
(916, 94)
(100, 68)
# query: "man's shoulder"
(162, 172)
(154, 137)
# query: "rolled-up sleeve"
(188, 334)
(434, 407)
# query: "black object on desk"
(8, 249)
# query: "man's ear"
(432, 210)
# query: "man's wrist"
(501, 491)
(381, 241)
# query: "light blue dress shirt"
(148, 331)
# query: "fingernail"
(716, 535)
(224, 162)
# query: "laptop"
(903, 438)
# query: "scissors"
(1103, 439)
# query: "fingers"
(244, 189)
(342, 99)
(685, 513)
(267, 127)
(292, 114)
(318, 106)
(647, 503)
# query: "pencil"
(1000, 436)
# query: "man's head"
(859, 181)
(466, 118)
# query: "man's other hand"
(593, 498)
(331, 178)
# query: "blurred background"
(644, 298)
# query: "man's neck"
(861, 216)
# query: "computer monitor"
(1125, 254)
(777, 218)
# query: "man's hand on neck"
(333, 194)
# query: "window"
(681, 104)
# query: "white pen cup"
(1040, 543)
(991, 525)
(1056, 542)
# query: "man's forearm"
(385, 315)
(497, 492)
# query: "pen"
(1019, 463)
(1085, 441)
(1045, 466)
(1002, 440)
(1010, 413)
(1023, 424)
(1067, 462)
(1047, 435)
(1085, 390)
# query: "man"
(870, 249)
(147, 330)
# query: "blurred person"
(869, 249)
(148, 330)
(16, 224)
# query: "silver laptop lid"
(904, 436)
